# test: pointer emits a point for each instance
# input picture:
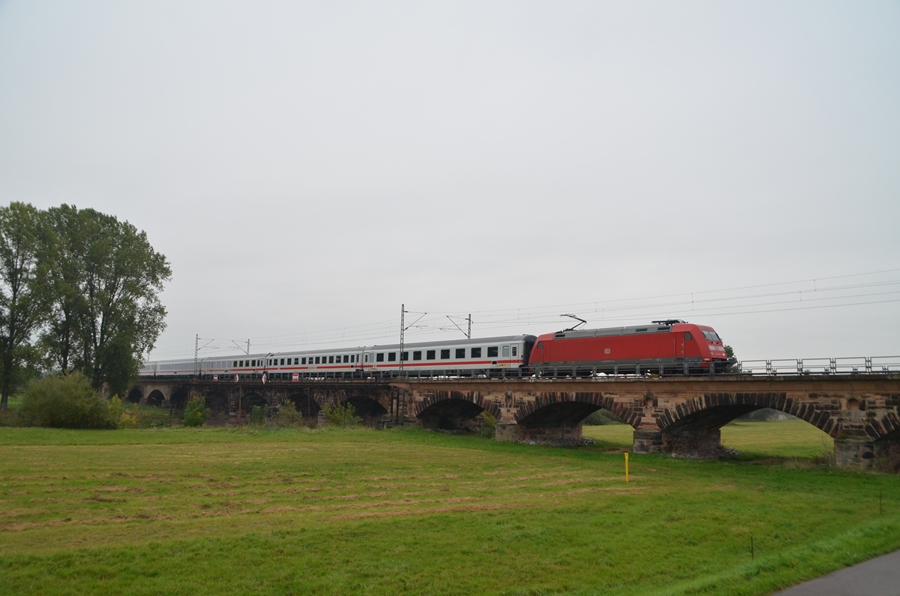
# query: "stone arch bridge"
(677, 415)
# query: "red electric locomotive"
(664, 347)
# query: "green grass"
(215, 511)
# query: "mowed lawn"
(402, 511)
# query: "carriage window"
(429, 355)
(460, 352)
(445, 354)
(331, 359)
(506, 351)
(379, 357)
(492, 352)
(241, 362)
(417, 355)
(303, 360)
(296, 361)
(515, 350)
(404, 356)
(392, 356)
(317, 359)
(476, 352)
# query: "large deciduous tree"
(106, 282)
(24, 303)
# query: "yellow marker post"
(626, 466)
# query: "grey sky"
(308, 167)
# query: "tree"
(106, 282)
(24, 304)
(732, 361)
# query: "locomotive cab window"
(688, 336)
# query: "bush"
(488, 428)
(287, 416)
(341, 415)
(258, 415)
(65, 401)
(195, 413)
(125, 415)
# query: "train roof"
(344, 350)
(607, 331)
(457, 342)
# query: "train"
(667, 347)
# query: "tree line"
(79, 291)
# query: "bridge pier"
(694, 443)
(559, 434)
(882, 455)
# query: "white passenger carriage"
(467, 357)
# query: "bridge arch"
(307, 404)
(569, 409)
(453, 410)
(156, 398)
(712, 411)
(248, 401)
(135, 395)
(369, 408)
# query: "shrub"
(287, 416)
(488, 425)
(341, 415)
(258, 415)
(195, 413)
(64, 401)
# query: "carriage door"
(504, 355)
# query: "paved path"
(875, 577)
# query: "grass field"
(215, 511)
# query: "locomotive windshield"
(712, 336)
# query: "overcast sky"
(308, 167)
